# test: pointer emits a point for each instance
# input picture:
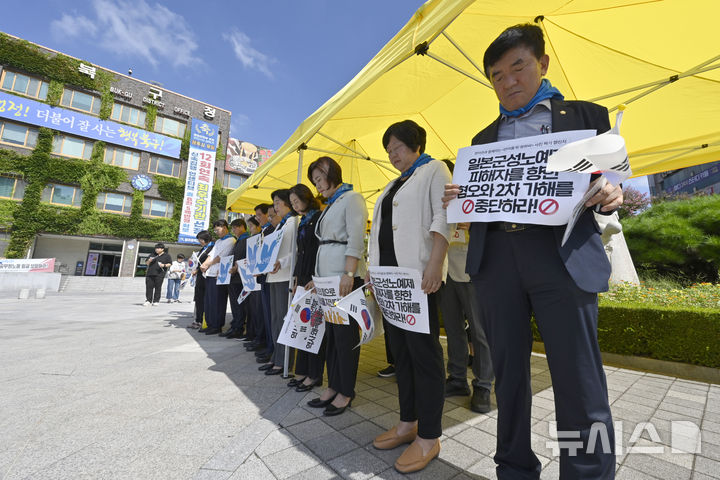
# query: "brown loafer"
(391, 439)
(413, 460)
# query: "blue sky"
(270, 62)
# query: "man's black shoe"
(227, 333)
(263, 359)
(203, 329)
(480, 401)
(456, 387)
(261, 353)
(212, 331)
(255, 348)
(234, 334)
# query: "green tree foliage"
(677, 238)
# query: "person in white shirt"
(176, 274)
(216, 296)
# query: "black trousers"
(216, 297)
(267, 318)
(239, 310)
(420, 372)
(521, 274)
(153, 288)
(388, 350)
(311, 364)
(199, 297)
(341, 355)
(256, 324)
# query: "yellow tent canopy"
(660, 58)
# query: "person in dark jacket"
(239, 310)
(156, 267)
(308, 366)
(206, 244)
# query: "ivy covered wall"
(25, 219)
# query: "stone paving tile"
(707, 466)
(358, 464)
(436, 469)
(362, 433)
(205, 474)
(311, 429)
(627, 473)
(477, 439)
(349, 417)
(318, 472)
(296, 415)
(484, 469)
(331, 446)
(276, 441)
(252, 469)
(373, 393)
(658, 468)
(371, 409)
(458, 454)
(290, 461)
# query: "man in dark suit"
(520, 270)
(239, 310)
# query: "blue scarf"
(307, 217)
(341, 189)
(226, 236)
(266, 225)
(244, 235)
(421, 160)
(545, 91)
(285, 219)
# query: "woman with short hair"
(341, 234)
(410, 229)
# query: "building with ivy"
(93, 162)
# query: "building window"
(32, 87)
(16, 134)
(72, 147)
(114, 202)
(232, 181)
(168, 126)
(13, 188)
(80, 101)
(62, 195)
(128, 114)
(153, 207)
(122, 158)
(164, 166)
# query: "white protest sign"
(223, 277)
(580, 207)
(402, 301)
(508, 181)
(249, 281)
(262, 252)
(605, 153)
(303, 326)
(328, 291)
(355, 304)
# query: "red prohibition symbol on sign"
(467, 206)
(548, 206)
(410, 320)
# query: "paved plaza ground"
(95, 386)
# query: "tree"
(678, 238)
(634, 202)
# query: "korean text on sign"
(402, 301)
(508, 181)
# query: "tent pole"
(354, 155)
(360, 155)
(457, 69)
(463, 53)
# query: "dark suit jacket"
(239, 252)
(583, 254)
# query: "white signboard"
(223, 277)
(262, 252)
(508, 181)
(357, 306)
(303, 326)
(327, 290)
(249, 281)
(18, 265)
(399, 296)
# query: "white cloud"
(237, 122)
(134, 29)
(248, 56)
(69, 26)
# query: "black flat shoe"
(262, 359)
(317, 403)
(273, 371)
(302, 387)
(331, 410)
(295, 382)
(267, 366)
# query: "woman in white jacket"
(341, 234)
(410, 230)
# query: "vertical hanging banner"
(195, 215)
(402, 301)
(327, 290)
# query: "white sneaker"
(154, 304)
(146, 304)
